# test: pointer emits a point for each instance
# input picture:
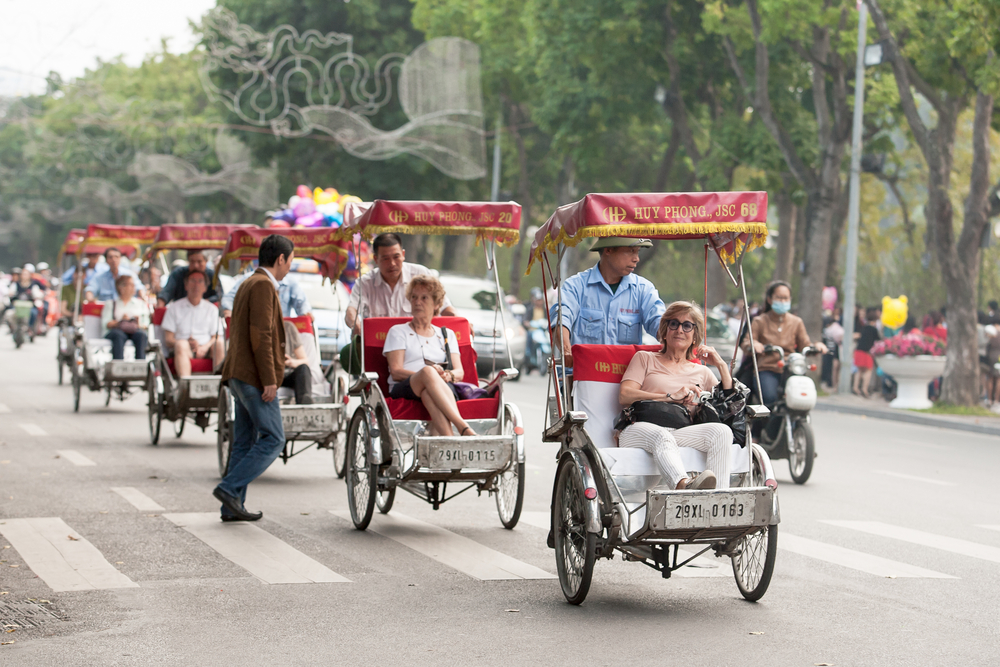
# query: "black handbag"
(668, 415)
(727, 406)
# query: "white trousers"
(713, 439)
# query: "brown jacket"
(791, 336)
(256, 335)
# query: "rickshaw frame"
(591, 517)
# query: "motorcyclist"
(27, 288)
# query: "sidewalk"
(879, 409)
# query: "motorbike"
(18, 319)
(789, 421)
(538, 349)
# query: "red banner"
(72, 242)
(323, 244)
(493, 221)
(729, 220)
(101, 237)
(193, 237)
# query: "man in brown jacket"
(254, 367)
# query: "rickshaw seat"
(198, 366)
(597, 374)
(375, 330)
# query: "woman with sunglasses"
(674, 375)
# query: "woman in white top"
(673, 375)
(417, 360)
(126, 318)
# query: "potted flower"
(913, 360)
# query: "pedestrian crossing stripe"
(949, 544)
(461, 553)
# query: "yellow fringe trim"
(757, 230)
(502, 235)
(308, 252)
(136, 244)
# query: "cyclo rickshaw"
(64, 339)
(388, 442)
(93, 366)
(321, 423)
(171, 398)
(606, 498)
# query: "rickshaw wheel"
(179, 427)
(361, 482)
(107, 395)
(801, 452)
(576, 549)
(59, 359)
(77, 381)
(384, 499)
(754, 556)
(155, 410)
(510, 485)
(224, 429)
(339, 454)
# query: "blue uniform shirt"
(596, 315)
(290, 294)
(102, 284)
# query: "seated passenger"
(297, 373)
(418, 362)
(101, 285)
(672, 375)
(191, 327)
(126, 318)
(175, 289)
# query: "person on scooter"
(778, 327)
(28, 289)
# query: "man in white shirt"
(191, 326)
(383, 290)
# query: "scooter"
(538, 349)
(793, 439)
(18, 321)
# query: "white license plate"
(454, 457)
(715, 510)
(203, 388)
(315, 420)
(127, 369)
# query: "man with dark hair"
(191, 327)
(102, 285)
(254, 367)
(174, 290)
(383, 290)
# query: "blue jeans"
(768, 389)
(118, 338)
(258, 438)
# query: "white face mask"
(781, 307)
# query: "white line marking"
(987, 526)
(60, 556)
(536, 519)
(255, 550)
(444, 546)
(4, 409)
(138, 499)
(33, 429)
(75, 457)
(856, 560)
(950, 544)
(914, 478)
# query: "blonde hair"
(432, 285)
(674, 310)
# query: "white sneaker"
(704, 480)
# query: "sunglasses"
(686, 327)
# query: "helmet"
(42, 266)
(30, 268)
(536, 292)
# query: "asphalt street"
(889, 555)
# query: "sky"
(68, 36)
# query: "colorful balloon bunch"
(316, 208)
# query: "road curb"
(910, 418)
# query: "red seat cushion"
(158, 314)
(376, 329)
(198, 366)
(604, 363)
(303, 323)
(92, 309)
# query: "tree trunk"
(833, 274)
(784, 263)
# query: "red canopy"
(493, 221)
(729, 220)
(324, 244)
(193, 237)
(128, 239)
(72, 242)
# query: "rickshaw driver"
(608, 304)
(102, 285)
(191, 327)
(175, 290)
(290, 294)
(384, 288)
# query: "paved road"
(110, 554)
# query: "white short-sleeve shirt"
(385, 301)
(186, 320)
(417, 347)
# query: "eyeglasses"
(686, 327)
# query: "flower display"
(909, 345)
